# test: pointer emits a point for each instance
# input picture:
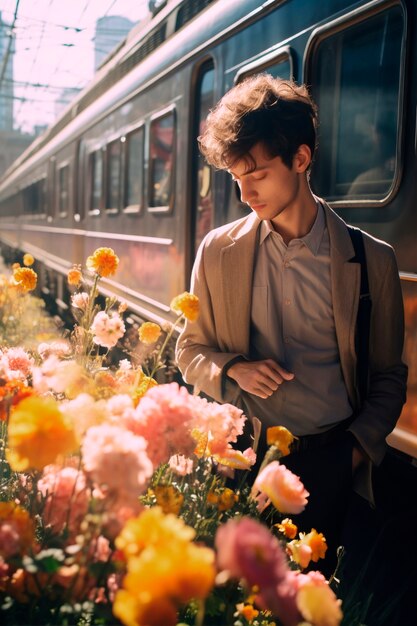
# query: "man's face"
(271, 188)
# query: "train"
(121, 167)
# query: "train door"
(202, 206)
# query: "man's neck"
(297, 221)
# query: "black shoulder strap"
(363, 322)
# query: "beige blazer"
(222, 279)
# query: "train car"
(121, 167)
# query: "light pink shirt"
(292, 322)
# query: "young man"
(279, 292)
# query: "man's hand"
(359, 456)
(261, 378)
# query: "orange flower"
(74, 276)
(103, 262)
(186, 304)
(279, 437)
(11, 394)
(145, 383)
(247, 611)
(287, 528)
(25, 278)
(224, 500)
(15, 266)
(38, 433)
(20, 521)
(28, 260)
(317, 542)
(169, 498)
(149, 332)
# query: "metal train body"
(121, 168)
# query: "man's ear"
(302, 159)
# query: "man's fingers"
(282, 373)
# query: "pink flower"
(107, 329)
(9, 539)
(67, 498)
(165, 418)
(117, 461)
(16, 363)
(246, 549)
(58, 348)
(80, 300)
(181, 465)
(222, 423)
(118, 405)
(285, 490)
(84, 412)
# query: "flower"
(169, 498)
(38, 432)
(17, 363)
(16, 529)
(224, 500)
(279, 437)
(103, 262)
(107, 329)
(28, 259)
(67, 497)
(11, 393)
(288, 528)
(149, 332)
(319, 605)
(117, 461)
(179, 464)
(186, 304)
(75, 276)
(284, 488)
(80, 300)
(26, 278)
(316, 542)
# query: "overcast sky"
(55, 48)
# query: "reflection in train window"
(278, 63)
(134, 171)
(203, 216)
(162, 135)
(63, 190)
(113, 175)
(96, 181)
(34, 198)
(356, 83)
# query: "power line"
(9, 45)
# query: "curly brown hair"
(261, 109)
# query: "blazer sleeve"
(199, 356)
(387, 372)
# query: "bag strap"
(363, 321)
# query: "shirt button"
(287, 302)
(286, 340)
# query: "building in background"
(110, 31)
(7, 48)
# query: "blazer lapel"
(236, 271)
(345, 278)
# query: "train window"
(203, 201)
(134, 171)
(63, 190)
(113, 171)
(34, 198)
(278, 63)
(356, 77)
(96, 181)
(161, 144)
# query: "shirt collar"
(312, 239)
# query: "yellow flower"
(186, 304)
(15, 266)
(169, 498)
(28, 259)
(317, 542)
(247, 611)
(74, 276)
(103, 262)
(152, 527)
(145, 383)
(318, 605)
(224, 500)
(149, 332)
(279, 437)
(19, 519)
(38, 433)
(300, 553)
(287, 528)
(25, 278)
(136, 611)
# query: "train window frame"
(274, 57)
(95, 212)
(132, 130)
(167, 111)
(341, 25)
(26, 189)
(59, 167)
(112, 141)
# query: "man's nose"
(247, 191)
